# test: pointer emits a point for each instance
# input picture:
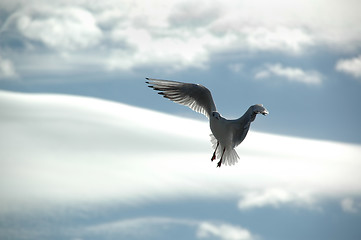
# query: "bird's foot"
(214, 153)
(219, 163)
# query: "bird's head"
(258, 108)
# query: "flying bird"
(226, 134)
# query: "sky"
(63, 174)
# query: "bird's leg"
(220, 161)
(214, 154)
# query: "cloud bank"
(176, 35)
(59, 149)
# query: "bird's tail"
(230, 156)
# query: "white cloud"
(7, 69)
(291, 74)
(152, 226)
(60, 28)
(350, 66)
(189, 14)
(223, 231)
(78, 150)
(273, 197)
(349, 205)
(176, 51)
(140, 227)
(148, 227)
(178, 34)
(281, 39)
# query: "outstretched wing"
(195, 96)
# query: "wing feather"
(195, 96)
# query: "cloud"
(235, 67)
(61, 28)
(348, 205)
(280, 39)
(273, 197)
(62, 154)
(152, 226)
(147, 227)
(189, 14)
(176, 51)
(177, 35)
(7, 69)
(223, 231)
(291, 74)
(350, 66)
(77, 150)
(143, 227)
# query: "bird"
(226, 134)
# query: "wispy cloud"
(235, 67)
(152, 226)
(223, 232)
(7, 69)
(290, 73)
(274, 197)
(350, 66)
(349, 205)
(144, 227)
(147, 227)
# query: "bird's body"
(226, 134)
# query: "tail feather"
(230, 156)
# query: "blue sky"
(301, 59)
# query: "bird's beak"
(265, 112)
